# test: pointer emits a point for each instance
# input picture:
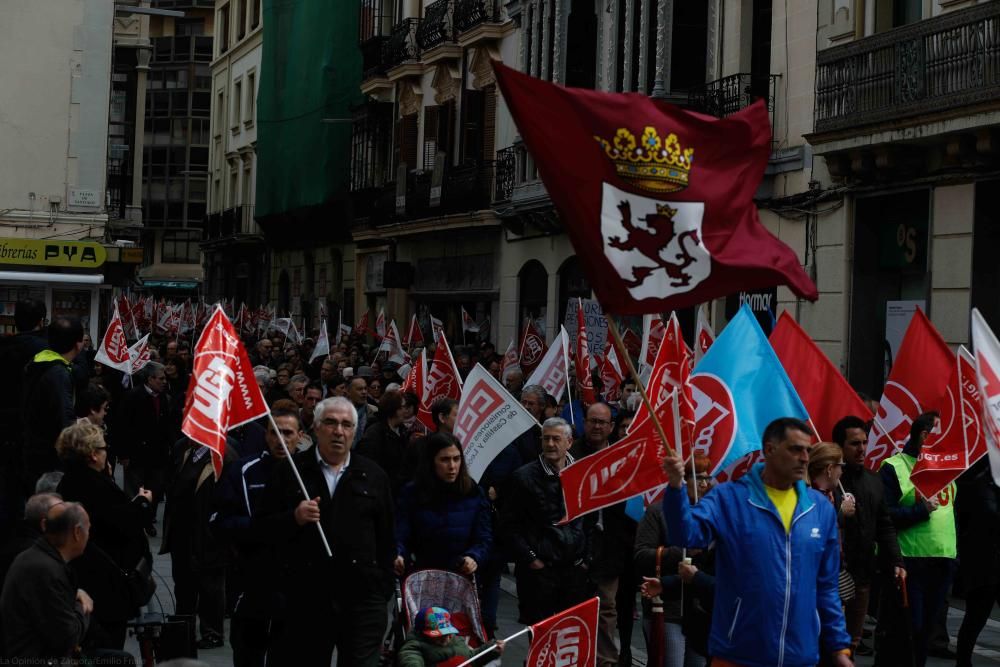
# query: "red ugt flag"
(916, 382)
(581, 359)
(113, 350)
(222, 393)
(826, 394)
(568, 638)
(661, 199)
(443, 381)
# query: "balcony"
(373, 57)
(435, 28)
(402, 46)
(729, 94)
(934, 66)
(231, 225)
(479, 20)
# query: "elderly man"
(777, 557)
(45, 616)
(357, 392)
(340, 602)
(551, 560)
(297, 388)
(261, 355)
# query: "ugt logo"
(655, 246)
(565, 644)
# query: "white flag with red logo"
(509, 363)
(380, 327)
(443, 381)
(612, 375)
(392, 346)
(567, 639)
(653, 330)
(414, 336)
(468, 324)
(553, 370)
(581, 359)
(223, 392)
(960, 442)
(113, 350)
(417, 376)
(138, 354)
(987, 350)
(488, 420)
(704, 336)
(437, 326)
(532, 348)
(916, 382)
(322, 343)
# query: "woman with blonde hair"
(826, 465)
(117, 523)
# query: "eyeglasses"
(334, 423)
(100, 449)
(599, 422)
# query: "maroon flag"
(826, 394)
(532, 349)
(661, 199)
(633, 344)
(569, 638)
(222, 393)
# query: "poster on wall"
(897, 318)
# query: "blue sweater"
(439, 535)
(776, 594)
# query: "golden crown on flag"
(651, 163)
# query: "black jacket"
(528, 520)
(977, 505)
(41, 616)
(144, 432)
(359, 525)
(870, 527)
(386, 448)
(190, 504)
(47, 407)
(16, 352)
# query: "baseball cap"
(435, 622)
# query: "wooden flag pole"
(640, 387)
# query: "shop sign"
(43, 252)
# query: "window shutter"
(430, 137)
(489, 122)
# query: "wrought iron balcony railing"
(470, 13)
(402, 44)
(506, 172)
(435, 28)
(731, 93)
(937, 64)
(373, 57)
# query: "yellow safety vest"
(934, 537)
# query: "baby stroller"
(441, 588)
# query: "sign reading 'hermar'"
(42, 252)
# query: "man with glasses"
(337, 602)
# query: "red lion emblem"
(653, 241)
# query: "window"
(234, 121)
(234, 186)
(241, 18)
(222, 32)
(251, 98)
(255, 17)
(247, 185)
(181, 247)
(220, 112)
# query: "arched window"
(533, 291)
(572, 284)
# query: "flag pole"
(569, 392)
(613, 328)
(298, 478)
(492, 648)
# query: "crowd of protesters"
(713, 567)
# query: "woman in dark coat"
(383, 441)
(117, 523)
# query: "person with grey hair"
(49, 482)
(28, 530)
(551, 559)
(45, 615)
(262, 374)
(145, 428)
(340, 602)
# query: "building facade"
(235, 256)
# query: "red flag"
(443, 381)
(361, 328)
(916, 382)
(414, 336)
(703, 337)
(568, 638)
(611, 373)
(660, 198)
(652, 337)
(826, 394)
(125, 311)
(509, 362)
(633, 344)
(532, 349)
(962, 438)
(581, 359)
(416, 378)
(113, 350)
(222, 393)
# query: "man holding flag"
(777, 557)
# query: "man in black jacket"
(45, 615)
(340, 601)
(551, 560)
(48, 399)
(870, 527)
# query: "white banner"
(551, 372)
(488, 420)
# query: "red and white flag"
(113, 350)
(139, 354)
(488, 420)
(567, 639)
(824, 391)
(987, 350)
(417, 376)
(704, 336)
(532, 348)
(961, 440)
(509, 362)
(362, 327)
(916, 382)
(139, 318)
(552, 371)
(414, 336)
(468, 324)
(392, 346)
(264, 316)
(652, 335)
(443, 381)
(611, 373)
(633, 344)
(128, 319)
(322, 348)
(581, 360)
(437, 326)
(222, 393)
(380, 325)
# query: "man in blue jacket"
(777, 557)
